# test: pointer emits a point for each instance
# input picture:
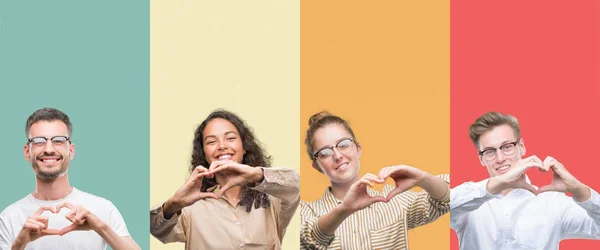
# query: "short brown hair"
(48, 114)
(489, 121)
(318, 121)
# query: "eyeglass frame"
(67, 139)
(315, 155)
(499, 148)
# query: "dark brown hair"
(255, 156)
(48, 114)
(489, 121)
(318, 121)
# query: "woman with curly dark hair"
(233, 197)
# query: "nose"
(222, 145)
(49, 147)
(500, 157)
(337, 155)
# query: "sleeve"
(115, 221)
(284, 184)
(466, 198)
(582, 219)
(171, 230)
(421, 208)
(311, 236)
(5, 236)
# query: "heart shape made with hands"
(561, 178)
(56, 211)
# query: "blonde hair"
(489, 121)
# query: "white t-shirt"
(14, 216)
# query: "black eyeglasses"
(507, 149)
(40, 141)
(343, 146)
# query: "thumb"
(529, 188)
(224, 189)
(547, 188)
(378, 198)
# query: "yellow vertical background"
(242, 56)
(385, 67)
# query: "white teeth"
(343, 165)
(49, 160)
(503, 168)
(224, 157)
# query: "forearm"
(494, 186)
(581, 193)
(171, 207)
(283, 183)
(434, 186)
(17, 245)
(115, 241)
(329, 222)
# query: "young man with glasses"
(505, 211)
(56, 215)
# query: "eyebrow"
(338, 141)
(226, 133)
(501, 144)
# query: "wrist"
(425, 180)
(259, 175)
(102, 228)
(581, 193)
(343, 211)
(18, 244)
(494, 186)
(171, 207)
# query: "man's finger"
(42, 209)
(547, 188)
(68, 229)
(81, 216)
(528, 187)
(64, 204)
(32, 225)
(50, 232)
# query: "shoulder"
(19, 207)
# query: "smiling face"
(49, 160)
(222, 141)
(497, 138)
(338, 167)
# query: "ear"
(522, 144)
(71, 151)
(26, 152)
(358, 150)
(481, 160)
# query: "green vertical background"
(89, 59)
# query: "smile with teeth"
(49, 160)
(224, 157)
(342, 166)
(503, 168)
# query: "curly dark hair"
(255, 156)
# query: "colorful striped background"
(409, 76)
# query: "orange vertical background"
(383, 66)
